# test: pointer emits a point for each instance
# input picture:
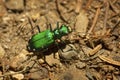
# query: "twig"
(116, 25)
(108, 60)
(114, 1)
(31, 23)
(93, 57)
(7, 74)
(27, 68)
(106, 16)
(88, 4)
(95, 50)
(94, 21)
(21, 27)
(113, 7)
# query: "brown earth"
(90, 52)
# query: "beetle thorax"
(58, 33)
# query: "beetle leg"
(59, 49)
(57, 25)
(43, 57)
(38, 28)
(33, 30)
(28, 48)
(50, 27)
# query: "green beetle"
(46, 38)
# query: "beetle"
(44, 39)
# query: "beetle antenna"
(31, 24)
(30, 31)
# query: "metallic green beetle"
(46, 38)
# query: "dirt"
(93, 51)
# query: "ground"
(91, 51)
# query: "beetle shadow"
(50, 50)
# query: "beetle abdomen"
(41, 40)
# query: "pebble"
(67, 76)
(15, 4)
(72, 73)
(17, 60)
(51, 60)
(1, 78)
(69, 52)
(80, 65)
(38, 73)
(81, 23)
(2, 8)
(17, 76)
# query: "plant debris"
(91, 51)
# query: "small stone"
(17, 76)
(81, 23)
(15, 4)
(1, 78)
(5, 46)
(25, 52)
(69, 52)
(86, 51)
(72, 73)
(41, 61)
(80, 65)
(35, 16)
(51, 60)
(17, 60)
(38, 73)
(69, 47)
(2, 8)
(66, 76)
(2, 51)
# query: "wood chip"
(95, 50)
